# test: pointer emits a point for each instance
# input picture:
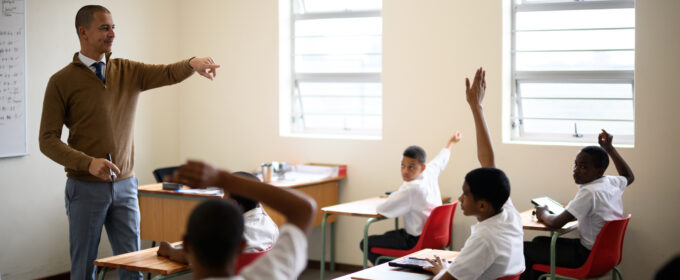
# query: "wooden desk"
(164, 214)
(360, 208)
(384, 271)
(145, 261)
(529, 223)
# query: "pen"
(113, 175)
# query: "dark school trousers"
(569, 253)
(395, 239)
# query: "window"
(331, 63)
(573, 68)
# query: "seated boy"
(494, 248)
(414, 200)
(212, 246)
(260, 232)
(597, 201)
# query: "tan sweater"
(100, 117)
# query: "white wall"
(33, 223)
(429, 47)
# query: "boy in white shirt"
(213, 246)
(260, 232)
(597, 201)
(414, 200)
(494, 248)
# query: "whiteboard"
(13, 122)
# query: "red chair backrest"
(608, 248)
(246, 258)
(437, 230)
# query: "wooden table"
(360, 208)
(384, 271)
(145, 261)
(530, 223)
(164, 213)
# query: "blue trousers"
(91, 205)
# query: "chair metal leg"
(396, 223)
(388, 258)
(368, 223)
(616, 272)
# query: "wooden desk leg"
(323, 245)
(102, 272)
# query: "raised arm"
(605, 141)
(475, 95)
(298, 208)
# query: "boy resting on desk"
(597, 201)
(414, 200)
(213, 246)
(259, 232)
(494, 248)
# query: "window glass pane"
(601, 18)
(566, 90)
(340, 89)
(576, 40)
(338, 45)
(340, 122)
(582, 60)
(584, 127)
(339, 27)
(317, 105)
(322, 6)
(560, 1)
(338, 64)
(579, 109)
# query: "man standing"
(96, 97)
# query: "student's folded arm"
(298, 208)
(557, 221)
(396, 205)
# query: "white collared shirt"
(89, 61)
(286, 260)
(260, 232)
(415, 200)
(595, 204)
(494, 249)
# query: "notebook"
(554, 207)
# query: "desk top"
(158, 187)
(384, 271)
(144, 261)
(362, 208)
(528, 222)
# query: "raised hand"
(100, 167)
(196, 174)
(205, 66)
(454, 139)
(475, 92)
(605, 140)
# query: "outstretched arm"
(605, 141)
(475, 95)
(298, 208)
(454, 139)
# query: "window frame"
(518, 77)
(289, 118)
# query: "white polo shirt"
(415, 200)
(494, 249)
(286, 260)
(260, 232)
(595, 204)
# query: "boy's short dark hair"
(598, 155)
(489, 184)
(214, 232)
(85, 15)
(246, 203)
(415, 152)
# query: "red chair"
(248, 257)
(604, 257)
(436, 233)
